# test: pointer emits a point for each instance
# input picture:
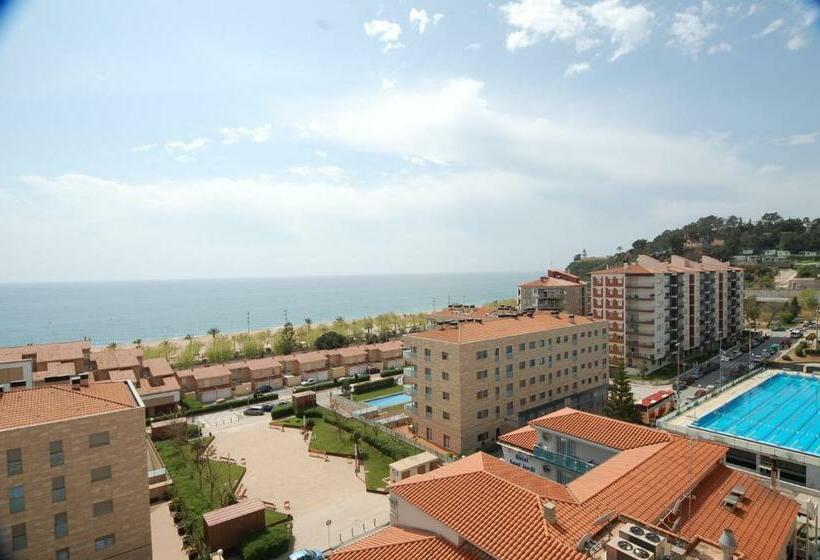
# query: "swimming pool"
(390, 400)
(782, 411)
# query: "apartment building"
(655, 308)
(472, 381)
(652, 496)
(75, 484)
(558, 290)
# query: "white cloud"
(753, 9)
(796, 42)
(385, 31)
(437, 17)
(473, 47)
(331, 171)
(388, 84)
(257, 135)
(769, 168)
(177, 146)
(627, 27)
(720, 48)
(691, 28)
(799, 139)
(577, 68)
(772, 27)
(320, 154)
(420, 20)
(143, 148)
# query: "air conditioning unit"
(644, 538)
(622, 549)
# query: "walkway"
(165, 543)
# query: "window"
(522, 365)
(522, 402)
(62, 554)
(445, 415)
(508, 372)
(100, 473)
(428, 374)
(542, 378)
(103, 508)
(522, 383)
(532, 380)
(428, 411)
(482, 394)
(55, 451)
(101, 543)
(99, 439)
(479, 375)
(532, 363)
(14, 461)
(445, 395)
(483, 436)
(444, 355)
(58, 489)
(481, 355)
(510, 406)
(428, 392)
(445, 376)
(482, 414)
(17, 499)
(427, 354)
(532, 344)
(497, 375)
(18, 537)
(60, 525)
(522, 347)
(542, 395)
(446, 441)
(509, 351)
(532, 398)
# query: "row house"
(19, 364)
(249, 375)
(210, 383)
(386, 355)
(106, 361)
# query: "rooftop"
(233, 511)
(56, 352)
(554, 278)
(608, 432)
(20, 408)
(157, 367)
(649, 265)
(503, 327)
(207, 372)
(656, 397)
(118, 358)
(395, 543)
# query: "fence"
(341, 535)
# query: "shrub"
(330, 341)
(316, 387)
(393, 371)
(266, 544)
(392, 447)
(281, 411)
(373, 385)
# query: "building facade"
(74, 481)
(473, 381)
(654, 309)
(558, 290)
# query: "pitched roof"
(395, 543)
(626, 269)
(608, 432)
(504, 327)
(158, 367)
(233, 511)
(55, 352)
(118, 358)
(53, 403)
(524, 438)
(656, 397)
(207, 372)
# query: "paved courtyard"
(279, 468)
(165, 542)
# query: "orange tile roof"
(504, 327)
(55, 352)
(157, 385)
(608, 432)
(389, 346)
(118, 358)
(231, 512)
(207, 372)
(54, 403)
(626, 269)
(122, 375)
(309, 357)
(158, 367)
(524, 438)
(395, 543)
(548, 282)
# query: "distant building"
(75, 482)
(474, 380)
(655, 308)
(556, 291)
(19, 365)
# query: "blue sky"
(208, 139)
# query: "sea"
(154, 310)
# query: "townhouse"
(19, 365)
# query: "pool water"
(782, 411)
(389, 400)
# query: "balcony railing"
(564, 461)
(410, 372)
(411, 389)
(411, 408)
(408, 354)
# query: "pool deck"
(682, 423)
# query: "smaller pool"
(390, 400)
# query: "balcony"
(408, 354)
(411, 408)
(411, 390)
(410, 372)
(564, 461)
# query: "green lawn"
(326, 437)
(377, 393)
(274, 517)
(291, 421)
(190, 403)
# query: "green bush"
(392, 447)
(392, 372)
(281, 411)
(373, 385)
(316, 387)
(271, 542)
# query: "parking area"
(318, 490)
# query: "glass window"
(445, 395)
(17, 499)
(18, 537)
(103, 508)
(56, 456)
(58, 489)
(62, 554)
(100, 473)
(445, 376)
(101, 543)
(14, 461)
(98, 439)
(60, 525)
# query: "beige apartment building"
(473, 381)
(558, 290)
(75, 484)
(654, 308)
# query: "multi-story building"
(558, 290)
(657, 309)
(75, 483)
(643, 494)
(472, 381)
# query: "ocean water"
(153, 310)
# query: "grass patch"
(275, 517)
(377, 393)
(326, 437)
(190, 403)
(290, 421)
(271, 542)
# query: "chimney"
(728, 544)
(550, 513)
(75, 382)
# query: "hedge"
(281, 411)
(271, 542)
(392, 447)
(392, 372)
(331, 383)
(373, 385)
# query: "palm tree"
(138, 342)
(213, 332)
(190, 339)
(112, 346)
(308, 323)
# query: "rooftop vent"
(728, 544)
(550, 513)
(75, 382)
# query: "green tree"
(808, 303)
(138, 342)
(752, 309)
(213, 332)
(620, 401)
(112, 346)
(252, 348)
(285, 340)
(220, 350)
(794, 307)
(331, 340)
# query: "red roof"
(524, 438)
(608, 432)
(656, 397)
(395, 543)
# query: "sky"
(197, 139)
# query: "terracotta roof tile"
(118, 358)
(158, 367)
(54, 403)
(524, 438)
(600, 429)
(55, 352)
(207, 372)
(395, 543)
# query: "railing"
(563, 461)
(410, 372)
(411, 389)
(408, 354)
(411, 408)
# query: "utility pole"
(249, 321)
(286, 315)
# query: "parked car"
(267, 407)
(308, 382)
(306, 554)
(254, 410)
(263, 389)
(796, 333)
